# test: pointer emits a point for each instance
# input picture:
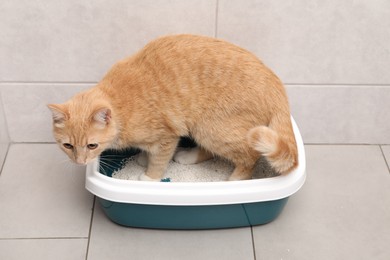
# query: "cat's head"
(83, 127)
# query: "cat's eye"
(92, 146)
(68, 146)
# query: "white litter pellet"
(209, 171)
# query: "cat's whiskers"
(106, 165)
(104, 170)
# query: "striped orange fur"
(221, 95)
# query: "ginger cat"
(219, 94)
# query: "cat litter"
(212, 170)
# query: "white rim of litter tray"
(198, 193)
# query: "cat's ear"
(59, 115)
(102, 117)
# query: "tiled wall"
(4, 139)
(334, 56)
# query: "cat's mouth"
(83, 162)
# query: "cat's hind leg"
(235, 149)
(192, 155)
(142, 159)
(242, 172)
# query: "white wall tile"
(4, 138)
(340, 114)
(78, 41)
(28, 118)
(313, 45)
(313, 41)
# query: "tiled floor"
(342, 212)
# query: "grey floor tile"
(342, 211)
(111, 241)
(43, 249)
(42, 195)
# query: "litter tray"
(192, 205)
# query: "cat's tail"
(277, 143)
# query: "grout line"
(33, 142)
(5, 158)
(90, 227)
(344, 144)
(42, 238)
(251, 228)
(216, 19)
(337, 84)
(384, 157)
(352, 144)
(253, 244)
(215, 35)
(5, 126)
(48, 82)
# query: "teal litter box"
(193, 205)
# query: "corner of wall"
(4, 137)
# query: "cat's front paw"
(144, 177)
